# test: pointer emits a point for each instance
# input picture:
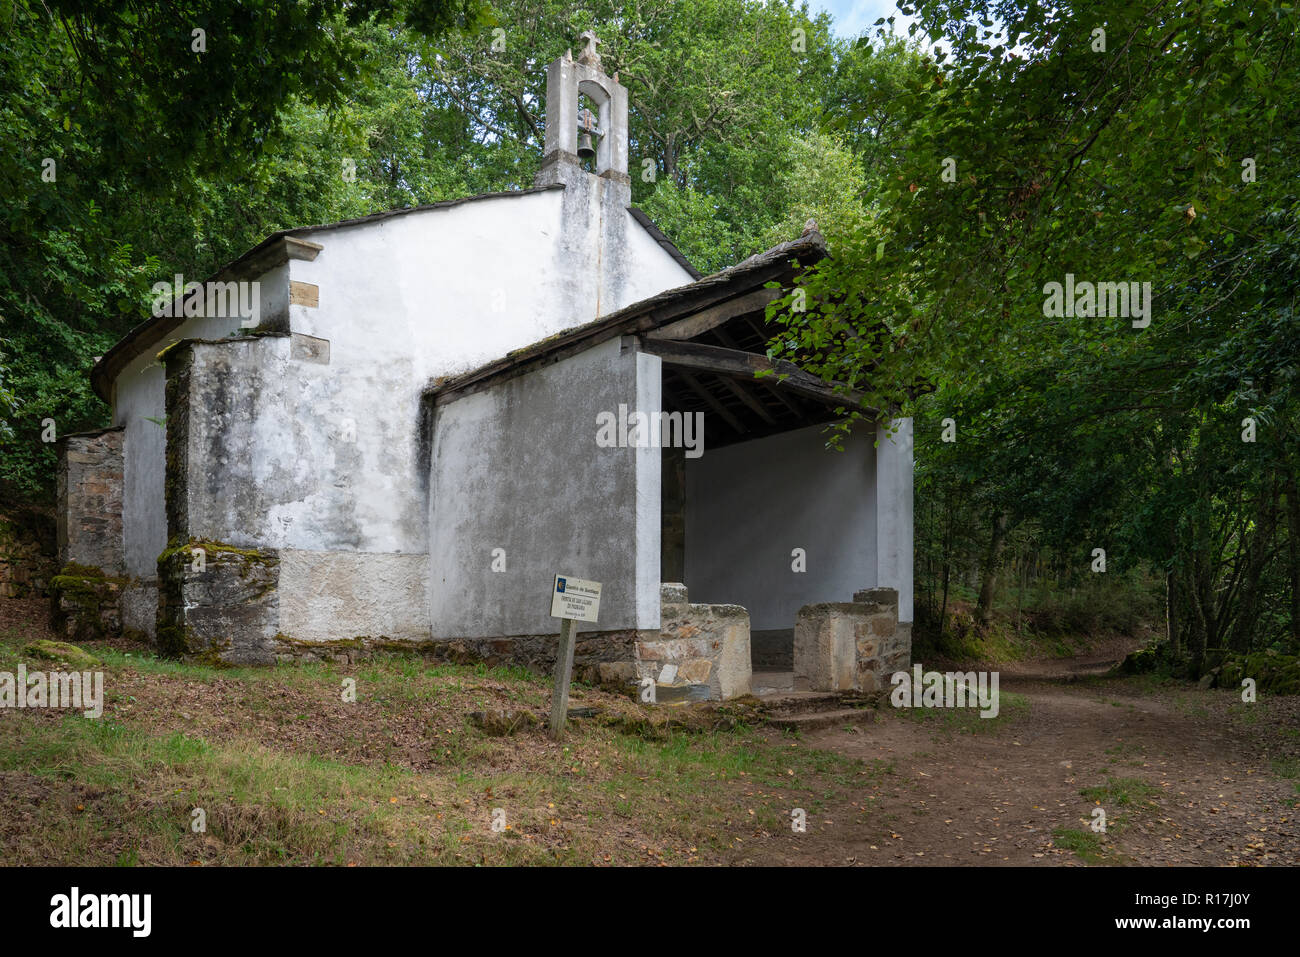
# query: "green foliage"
(716, 90)
(1123, 164)
(824, 182)
(1273, 673)
(131, 155)
(1088, 845)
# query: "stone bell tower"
(567, 81)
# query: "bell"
(586, 130)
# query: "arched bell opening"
(595, 119)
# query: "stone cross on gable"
(589, 56)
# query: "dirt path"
(1185, 776)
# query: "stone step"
(815, 720)
(768, 684)
(801, 702)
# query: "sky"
(852, 17)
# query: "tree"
(1044, 149)
(134, 132)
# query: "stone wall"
(90, 500)
(700, 653)
(86, 605)
(599, 657)
(218, 602)
(27, 552)
(86, 595)
(851, 646)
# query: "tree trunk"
(1256, 558)
(670, 158)
(1293, 548)
(1172, 631)
(992, 563)
(1200, 618)
(1022, 575)
(947, 576)
(943, 609)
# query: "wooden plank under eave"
(714, 316)
(304, 294)
(735, 363)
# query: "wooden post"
(563, 672)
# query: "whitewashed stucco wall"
(435, 293)
(749, 505)
(894, 529)
(517, 467)
(323, 461)
(442, 291)
(139, 395)
(403, 300)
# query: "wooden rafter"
(741, 393)
(714, 316)
(744, 365)
(699, 389)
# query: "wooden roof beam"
(699, 389)
(743, 365)
(743, 394)
(715, 315)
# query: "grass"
(285, 772)
(1286, 767)
(1088, 845)
(1119, 792)
(949, 721)
(1135, 753)
(1132, 794)
(1189, 708)
(1125, 749)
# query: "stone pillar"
(86, 595)
(825, 658)
(702, 652)
(219, 603)
(90, 500)
(885, 646)
(850, 646)
(217, 600)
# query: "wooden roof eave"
(741, 365)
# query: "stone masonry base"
(851, 646)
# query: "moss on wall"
(86, 603)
